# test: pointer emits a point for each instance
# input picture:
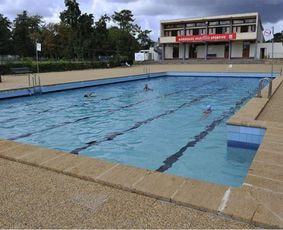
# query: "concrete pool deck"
(259, 201)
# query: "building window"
(190, 25)
(212, 30)
(225, 22)
(252, 28)
(244, 29)
(181, 33)
(195, 32)
(250, 20)
(189, 32)
(201, 24)
(237, 29)
(202, 31)
(226, 30)
(214, 23)
(167, 33)
(238, 21)
(174, 33)
(218, 30)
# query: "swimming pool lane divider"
(113, 135)
(83, 84)
(172, 159)
(110, 111)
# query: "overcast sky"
(148, 13)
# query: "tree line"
(76, 37)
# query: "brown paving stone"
(266, 170)
(159, 185)
(264, 183)
(250, 203)
(123, 176)
(5, 145)
(18, 150)
(63, 162)
(269, 157)
(89, 168)
(241, 204)
(202, 195)
(264, 217)
(40, 156)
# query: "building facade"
(229, 36)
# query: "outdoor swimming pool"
(161, 130)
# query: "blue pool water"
(161, 130)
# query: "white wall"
(216, 49)
(168, 52)
(237, 50)
(200, 51)
(278, 49)
(252, 50)
(181, 51)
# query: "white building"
(229, 36)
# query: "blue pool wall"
(83, 84)
(244, 137)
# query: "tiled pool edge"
(6, 94)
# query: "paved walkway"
(32, 197)
(14, 82)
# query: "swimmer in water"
(207, 111)
(146, 88)
(90, 94)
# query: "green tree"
(278, 37)
(5, 36)
(25, 33)
(101, 37)
(125, 20)
(71, 15)
(144, 39)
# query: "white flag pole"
(272, 55)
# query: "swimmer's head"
(208, 107)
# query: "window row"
(216, 30)
(211, 23)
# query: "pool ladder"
(146, 71)
(34, 84)
(261, 81)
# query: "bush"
(56, 66)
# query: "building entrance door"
(262, 53)
(193, 51)
(226, 52)
(175, 52)
(246, 50)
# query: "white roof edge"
(210, 17)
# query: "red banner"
(206, 37)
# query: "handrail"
(34, 83)
(261, 81)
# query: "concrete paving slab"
(159, 185)
(89, 168)
(201, 195)
(123, 176)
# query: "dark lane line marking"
(109, 111)
(169, 161)
(113, 135)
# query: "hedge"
(55, 66)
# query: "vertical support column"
(184, 51)
(206, 51)
(230, 50)
(255, 53)
(163, 52)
